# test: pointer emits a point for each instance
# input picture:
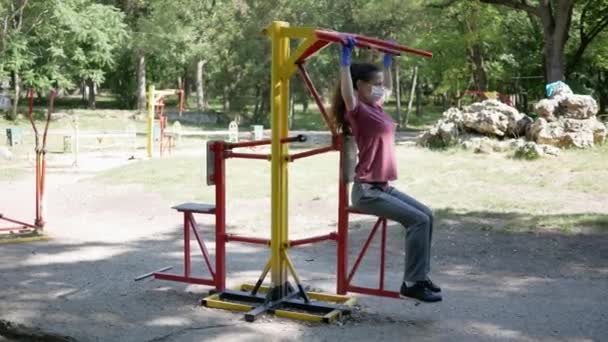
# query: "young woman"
(358, 110)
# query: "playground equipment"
(40, 148)
(156, 109)
(281, 297)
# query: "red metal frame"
(40, 148)
(222, 151)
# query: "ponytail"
(359, 72)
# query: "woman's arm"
(346, 88)
(388, 76)
(388, 82)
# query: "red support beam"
(300, 242)
(309, 153)
(247, 239)
(201, 243)
(182, 279)
(16, 222)
(365, 246)
(298, 138)
(313, 92)
(373, 292)
(230, 154)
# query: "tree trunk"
(418, 100)
(477, 64)
(17, 87)
(187, 86)
(226, 99)
(92, 89)
(556, 25)
(141, 82)
(83, 92)
(411, 101)
(397, 87)
(200, 91)
(602, 91)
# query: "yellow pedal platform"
(311, 307)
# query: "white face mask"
(377, 93)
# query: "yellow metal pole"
(279, 108)
(150, 129)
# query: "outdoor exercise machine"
(40, 148)
(156, 109)
(281, 297)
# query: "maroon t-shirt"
(374, 132)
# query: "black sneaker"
(432, 286)
(419, 291)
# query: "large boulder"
(494, 118)
(579, 107)
(546, 108)
(567, 132)
(490, 118)
(444, 133)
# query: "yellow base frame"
(214, 301)
(23, 239)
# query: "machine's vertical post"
(342, 240)
(186, 246)
(383, 254)
(150, 127)
(220, 215)
(279, 185)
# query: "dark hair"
(358, 72)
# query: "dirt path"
(516, 286)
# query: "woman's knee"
(421, 221)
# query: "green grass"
(313, 120)
(466, 189)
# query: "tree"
(556, 20)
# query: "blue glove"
(347, 51)
(388, 58)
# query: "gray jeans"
(416, 217)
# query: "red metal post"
(342, 241)
(220, 216)
(186, 246)
(315, 95)
(382, 254)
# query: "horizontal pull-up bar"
(324, 38)
(297, 138)
(370, 43)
